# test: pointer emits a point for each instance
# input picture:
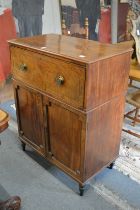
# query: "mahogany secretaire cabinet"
(70, 96)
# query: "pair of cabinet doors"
(51, 128)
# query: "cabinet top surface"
(81, 50)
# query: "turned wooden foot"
(13, 203)
(81, 189)
(23, 146)
(111, 165)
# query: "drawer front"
(55, 77)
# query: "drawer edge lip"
(80, 109)
(52, 97)
(50, 54)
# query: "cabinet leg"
(81, 189)
(111, 165)
(23, 146)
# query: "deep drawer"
(61, 79)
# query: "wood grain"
(42, 72)
(71, 48)
(4, 118)
(75, 121)
(103, 135)
(106, 79)
(30, 117)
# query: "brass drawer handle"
(23, 67)
(59, 80)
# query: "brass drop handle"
(59, 80)
(23, 67)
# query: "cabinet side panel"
(106, 79)
(103, 137)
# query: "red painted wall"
(105, 26)
(7, 32)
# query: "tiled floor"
(6, 92)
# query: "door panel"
(65, 136)
(30, 121)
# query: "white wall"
(6, 3)
(51, 17)
(69, 2)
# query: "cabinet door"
(30, 117)
(65, 140)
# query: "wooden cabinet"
(70, 96)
